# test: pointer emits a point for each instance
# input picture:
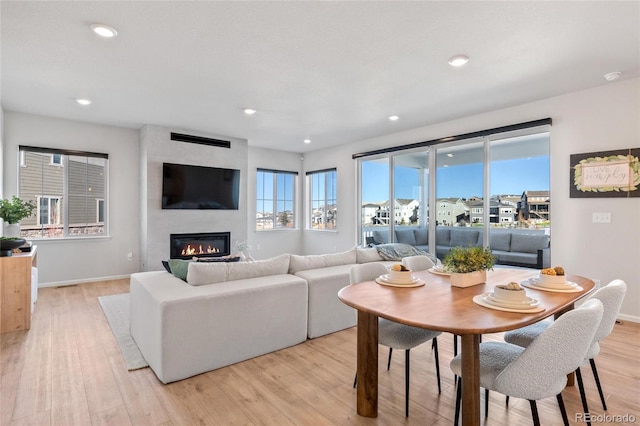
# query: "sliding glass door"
(485, 185)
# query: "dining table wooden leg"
(367, 369)
(471, 379)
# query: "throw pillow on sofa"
(179, 268)
(422, 236)
(406, 236)
(366, 255)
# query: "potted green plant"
(12, 212)
(468, 265)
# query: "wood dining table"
(439, 306)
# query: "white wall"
(71, 260)
(265, 244)
(600, 119)
(1, 156)
(156, 147)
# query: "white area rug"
(116, 309)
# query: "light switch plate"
(601, 217)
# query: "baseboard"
(82, 281)
(630, 318)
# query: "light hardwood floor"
(67, 370)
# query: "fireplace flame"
(193, 250)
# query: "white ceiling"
(329, 71)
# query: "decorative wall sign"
(605, 174)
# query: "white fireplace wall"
(156, 147)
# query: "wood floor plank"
(68, 370)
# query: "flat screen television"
(198, 187)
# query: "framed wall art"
(605, 174)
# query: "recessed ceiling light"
(449, 155)
(249, 111)
(458, 60)
(104, 30)
(83, 101)
(393, 117)
(612, 76)
(307, 141)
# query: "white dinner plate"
(387, 278)
(526, 303)
(533, 285)
(439, 271)
(416, 283)
(480, 300)
(563, 286)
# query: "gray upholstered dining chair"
(611, 297)
(393, 334)
(540, 370)
(418, 263)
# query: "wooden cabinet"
(15, 290)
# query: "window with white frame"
(69, 189)
(48, 210)
(99, 210)
(275, 199)
(323, 207)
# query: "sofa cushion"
(463, 238)
(528, 243)
(405, 236)
(314, 261)
(422, 236)
(206, 273)
(259, 268)
(500, 241)
(381, 236)
(210, 273)
(442, 236)
(366, 255)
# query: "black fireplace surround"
(202, 244)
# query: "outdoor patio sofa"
(516, 247)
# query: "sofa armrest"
(544, 258)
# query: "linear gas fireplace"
(211, 244)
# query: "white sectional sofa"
(229, 312)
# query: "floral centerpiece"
(468, 265)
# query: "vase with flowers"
(242, 249)
(468, 265)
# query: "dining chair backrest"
(366, 272)
(611, 297)
(557, 351)
(417, 263)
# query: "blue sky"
(507, 177)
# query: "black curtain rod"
(503, 129)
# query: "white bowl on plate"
(401, 276)
(501, 292)
(552, 279)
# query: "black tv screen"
(198, 187)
